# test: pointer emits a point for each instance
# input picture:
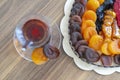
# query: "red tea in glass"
(34, 33)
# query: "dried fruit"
(80, 43)
(101, 1)
(74, 27)
(91, 55)
(89, 15)
(83, 2)
(108, 4)
(89, 32)
(117, 11)
(92, 5)
(106, 60)
(38, 56)
(117, 59)
(75, 37)
(75, 18)
(81, 50)
(114, 47)
(87, 23)
(51, 52)
(78, 9)
(96, 42)
(104, 49)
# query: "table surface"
(13, 67)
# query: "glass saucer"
(54, 33)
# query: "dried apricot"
(92, 5)
(38, 56)
(89, 15)
(101, 1)
(114, 47)
(87, 23)
(104, 49)
(89, 32)
(96, 42)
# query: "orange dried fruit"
(114, 47)
(89, 15)
(38, 56)
(101, 1)
(96, 42)
(89, 32)
(104, 49)
(87, 23)
(92, 5)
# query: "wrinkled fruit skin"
(106, 60)
(75, 18)
(74, 27)
(78, 9)
(117, 59)
(91, 55)
(75, 37)
(51, 52)
(80, 43)
(83, 2)
(81, 50)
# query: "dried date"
(81, 50)
(75, 37)
(74, 27)
(91, 55)
(80, 43)
(78, 9)
(106, 60)
(83, 2)
(51, 52)
(75, 18)
(117, 59)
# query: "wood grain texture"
(13, 67)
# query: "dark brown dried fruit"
(117, 59)
(91, 55)
(80, 43)
(74, 27)
(83, 2)
(75, 18)
(51, 52)
(81, 50)
(78, 9)
(75, 37)
(106, 60)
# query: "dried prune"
(51, 52)
(117, 59)
(75, 37)
(91, 55)
(83, 2)
(78, 9)
(106, 60)
(80, 43)
(81, 50)
(74, 27)
(75, 18)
